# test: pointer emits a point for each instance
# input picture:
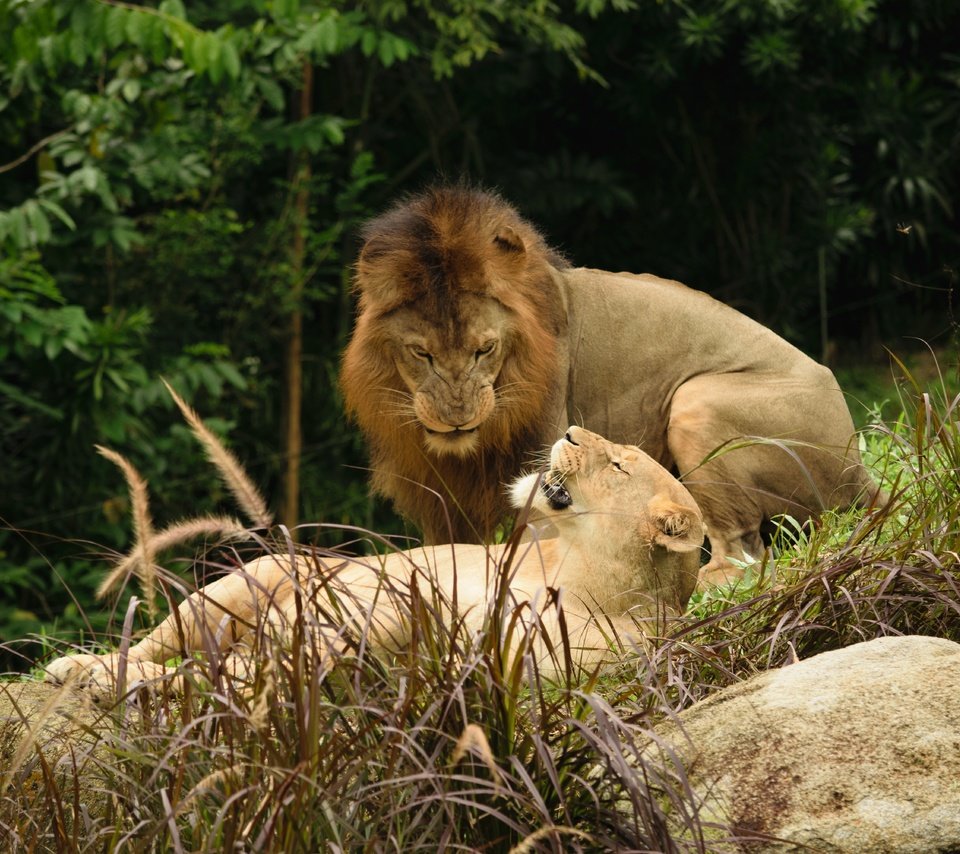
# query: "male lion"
(475, 343)
(625, 554)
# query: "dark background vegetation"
(180, 190)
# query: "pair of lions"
(475, 344)
(625, 556)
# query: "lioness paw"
(98, 674)
(81, 671)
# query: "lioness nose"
(569, 438)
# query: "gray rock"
(856, 750)
(51, 750)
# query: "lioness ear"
(676, 527)
(508, 240)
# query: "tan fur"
(625, 554)
(637, 358)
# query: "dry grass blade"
(247, 495)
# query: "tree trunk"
(293, 444)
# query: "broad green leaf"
(210, 378)
(55, 209)
(327, 34)
(285, 9)
(230, 373)
(31, 332)
(231, 60)
(19, 228)
(333, 128)
(195, 51)
(131, 90)
(88, 176)
(39, 224)
(155, 38)
(174, 8)
(52, 348)
(385, 52)
(135, 27)
(212, 51)
(11, 311)
(77, 48)
(116, 26)
(272, 93)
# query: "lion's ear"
(374, 278)
(508, 240)
(675, 526)
(372, 252)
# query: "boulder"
(52, 749)
(855, 750)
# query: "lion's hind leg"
(722, 478)
(751, 446)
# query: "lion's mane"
(424, 253)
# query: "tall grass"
(450, 744)
(445, 746)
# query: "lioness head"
(612, 497)
(458, 322)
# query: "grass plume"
(247, 495)
(142, 558)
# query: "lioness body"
(475, 344)
(625, 556)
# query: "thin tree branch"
(23, 158)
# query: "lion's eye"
(489, 347)
(420, 352)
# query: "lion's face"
(451, 372)
(613, 494)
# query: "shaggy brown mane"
(426, 253)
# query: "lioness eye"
(617, 466)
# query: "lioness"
(626, 551)
(475, 343)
